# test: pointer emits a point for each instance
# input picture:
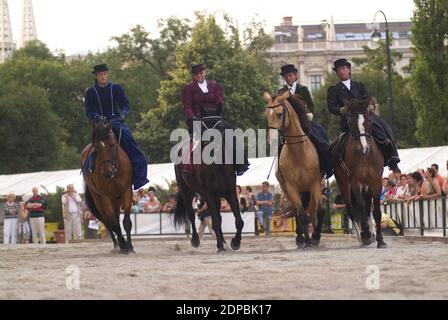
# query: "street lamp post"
(376, 36)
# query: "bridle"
(357, 137)
(114, 161)
(283, 136)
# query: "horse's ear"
(109, 125)
(267, 96)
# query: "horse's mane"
(100, 132)
(301, 110)
(360, 105)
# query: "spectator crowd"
(25, 221)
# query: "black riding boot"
(390, 153)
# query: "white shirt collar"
(203, 86)
(347, 83)
(292, 88)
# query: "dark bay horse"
(359, 172)
(109, 187)
(213, 182)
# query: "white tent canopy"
(163, 174)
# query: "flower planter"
(60, 236)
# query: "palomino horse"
(360, 170)
(109, 186)
(213, 182)
(298, 169)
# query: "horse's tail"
(91, 204)
(180, 214)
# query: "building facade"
(314, 47)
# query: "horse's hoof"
(195, 243)
(366, 242)
(307, 246)
(221, 250)
(300, 243)
(315, 243)
(235, 244)
(382, 245)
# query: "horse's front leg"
(127, 223)
(214, 205)
(195, 241)
(112, 222)
(360, 211)
(239, 224)
(377, 217)
(301, 225)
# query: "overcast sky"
(87, 25)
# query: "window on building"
(316, 82)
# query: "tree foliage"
(239, 66)
(430, 71)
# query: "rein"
(283, 136)
(114, 161)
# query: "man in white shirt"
(71, 210)
(403, 189)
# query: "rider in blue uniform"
(108, 100)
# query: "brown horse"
(109, 186)
(360, 172)
(298, 169)
(213, 182)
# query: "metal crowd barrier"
(421, 215)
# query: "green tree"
(430, 71)
(29, 129)
(64, 86)
(240, 68)
(156, 53)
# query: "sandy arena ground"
(264, 268)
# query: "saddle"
(337, 150)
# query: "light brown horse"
(109, 186)
(359, 174)
(298, 169)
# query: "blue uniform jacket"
(108, 102)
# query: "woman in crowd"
(24, 230)
(241, 199)
(153, 204)
(434, 190)
(170, 206)
(141, 200)
(10, 221)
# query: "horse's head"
(360, 124)
(106, 145)
(274, 113)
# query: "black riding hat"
(196, 68)
(287, 69)
(100, 68)
(341, 62)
